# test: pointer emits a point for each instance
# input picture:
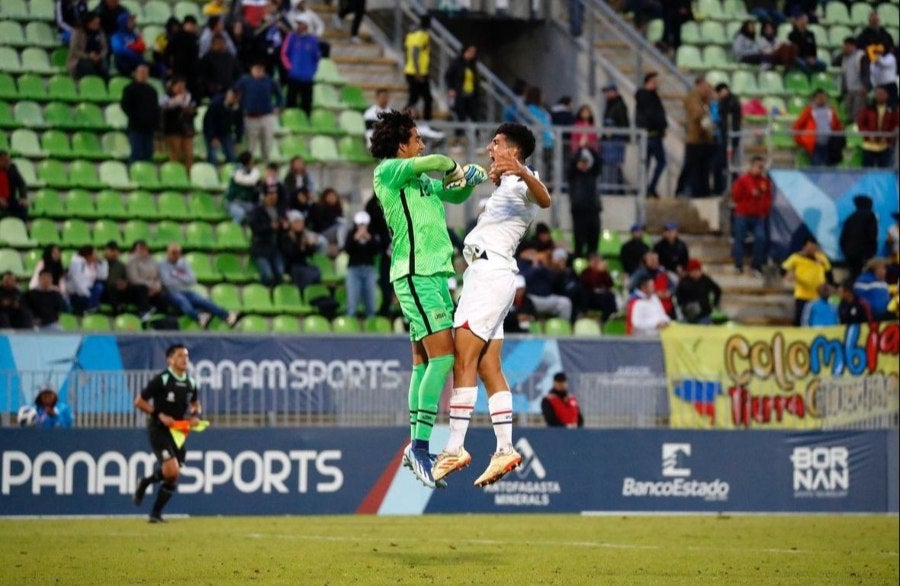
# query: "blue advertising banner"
(818, 202)
(340, 471)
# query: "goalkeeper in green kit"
(421, 263)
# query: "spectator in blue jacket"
(871, 286)
(300, 57)
(50, 412)
(256, 93)
(821, 312)
(127, 45)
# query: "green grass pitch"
(453, 549)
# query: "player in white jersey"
(489, 285)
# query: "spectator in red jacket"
(879, 116)
(559, 407)
(812, 131)
(752, 196)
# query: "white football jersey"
(506, 217)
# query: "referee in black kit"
(174, 396)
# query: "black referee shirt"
(170, 395)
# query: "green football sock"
(430, 390)
(415, 381)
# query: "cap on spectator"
(520, 282)
(559, 255)
(294, 215)
(559, 377)
(610, 87)
(139, 243)
(694, 264)
(112, 245)
(301, 19)
(670, 226)
(638, 227)
(361, 217)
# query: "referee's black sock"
(157, 476)
(162, 497)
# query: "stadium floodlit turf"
(453, 549)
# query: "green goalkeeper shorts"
(426, 304)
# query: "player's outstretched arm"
(433, 163)
(508, 164)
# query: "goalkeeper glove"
(454, 178)
(467, 176)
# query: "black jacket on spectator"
(649, 112)
(182, 55)
(18, 191)
(109, 17)
(859, 235)
(322, 217)
(698, 291)
(632, 255)
(511, 321)
(362, 253)
(854, 312)
(616, 114)
(805, 41)
(221, 121)
(45, 305)
(264, 239)
(295, 249)
(141, 104)
(217, 72)
(672, 254)
(730, 117)
(583, 195)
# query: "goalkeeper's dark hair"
(392, 129)
(518, 135)
(170, 351)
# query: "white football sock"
(500, 406)
(462, 401)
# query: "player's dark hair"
(392, 129)
(518, 135)
(173, 348)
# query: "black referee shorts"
(164, 445)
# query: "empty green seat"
(352, 123)
(353, 150)
(6, 116)
(11, 261)
(56, 143)
(688, 57)
(114, 117)
(31, 87)
(53, 174)
(39, 34)
(253, 324)
(796, 83)
(200, 236)
(257, 299)
(86, 145)
(156, 12)
(377, 324)
(204, 176)
(115, 145)
(111, 204)
(294, 146)
(343, 324)
(14, 10)
(771, 83)
(29, 115)
(323, 148)
(83, 174)
(230, 236)
(586, 327)
(12, 35)
(614, 327)
(127, 322)
(610, 244)
(714, 56)
(202, 266)
(25, 143)
(46, 203)
(557, 327)
(836, 13)
(95, 323)
(59, 57)
(75, 233)
(690, 33)
(325, 96)
(106, 231)
(234, 269)
(323, 121)
(316, 324)
(285, 324)
(62, 88)
(824, 81)
(80, 204)
(9, 58)
(743, 83)
(295, 120)
(114, 174)
(171, 205)
(286, 299)
(14, 234)
(141, 205)
(227, 296)
(202, 205)
(90, 117)
(59, 115)
(144, 175)
(173, 175)
(135, 230)
(713, 32)
(184, 8)
(353, 97)
(43, 232)
(167, 232)
(327, 73)
(93, 89)
(116, 86)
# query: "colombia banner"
(781, 378)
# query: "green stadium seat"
(713, 32)
(821, 36)
(4, 142)
(715, 57)
(80, 204)
(227, 296)
(14, 234)
(836, 13)
(26, 170)
(734, 10)
(295, 146)
(690, 33)
(352, 123)
(156, 12)
(326, 267)
(708, 9)
(141, 205)
(743, 83)
(204, 176)
(68, 322)
(295, 120)
(84, 174)
(557, 327)
(716, 76)
(325, 96)
(59, 115)
(610, 244)
(234, 269)
(889, 13)
(90, 117)
(43, 232)
(825, 81)
(127, 322)
(86, 145)
(9, 61)
(173, 175)
(171, 205)
(13, 36)
(377, 324)
(95, 323)
(796, 104)
(184, 8)
(14, 10)
(56, 144)
(614, 327)
(253, 324)
(62, 88)
(353, 97)
(327, 73)
(25, 143)
(854, 138)
(323, 148)
(6, 116)
(46, 203)
(586, 327)
(53, 174)
(258, 299)
(59, 57)
(323, 121)
(285, 324)
(30, 258)
(771, 83)
(135, 230)
(688, 57)
(837, 34)
(343, 324)
(144, 175)
(114, 117)
(39, 34)
(31, 87)
(116, 87)
(230, 236)
(114, 174)
(75, 233)
(203, 268)
(316, 324)
(655, 30)
(111, 204)
(201, 205)
(115, 145)
(313, 292)
(781, 136)
(167, 232)
(796, 83)
(42, 10)
(8, 88)
(106, 230)
(29, 115)
(286, 299)
(11, 261)
(353, 150)
(200, 236)
(93, 89)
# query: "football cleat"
(501, 464)
(421, 467)
(407, 463)
(447, 463)
(156, 519)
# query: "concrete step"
(362, 50)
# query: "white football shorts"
(489, 287)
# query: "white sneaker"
(204, 320)
(232, 318)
